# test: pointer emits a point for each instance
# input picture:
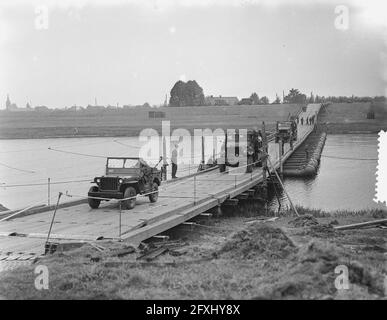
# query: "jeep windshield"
(123, 163)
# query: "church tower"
(7, 103)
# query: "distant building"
(9, 106)
(221, 101)
(7, 103)
(95, 108)
(75, 108)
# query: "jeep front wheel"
(154, 196)
(94, 203)
(130, 192)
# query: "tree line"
(190, 93)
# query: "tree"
(277, 99)
(311, 98)
(295, 96)
(254, 97)
(186, 94)
(264, 100)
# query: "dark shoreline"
(355, 128)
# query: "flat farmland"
(352, 117)
(129, 122)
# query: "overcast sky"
(128, 52)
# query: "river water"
(340, 183)
(70, 163)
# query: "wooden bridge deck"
(175, 205)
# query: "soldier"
(302, 121)
(259, 139)
(250, 155)
(174, 161)
(259, 148)
(306, 153)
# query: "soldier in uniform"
(174, 161)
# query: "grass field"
(130, 122)
(227, 258)
(352, 117)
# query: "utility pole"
(165, 162)
(281, 153)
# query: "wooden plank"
(3, 256)
(13, 257)
(142, 234)
(361, 224)
(27, 256)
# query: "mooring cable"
(77, 153)
(17, 169)
(350, 158)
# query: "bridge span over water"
(179, 201)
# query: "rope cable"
(350, 158)
(17, 169)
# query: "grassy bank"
(340, 118)
(130, 122)
(232, 257)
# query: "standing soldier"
(259, 148)
(174, 161)
(302, 121)
(306, 153)
(250, 156)
(222, 159)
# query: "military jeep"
(125, 178)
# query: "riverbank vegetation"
(238, 256)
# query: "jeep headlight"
(97, 180)
(120, 181)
